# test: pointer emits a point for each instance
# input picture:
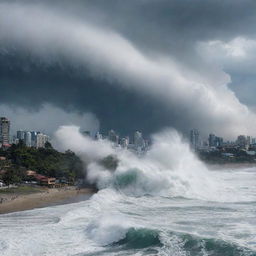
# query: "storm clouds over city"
(129, 65)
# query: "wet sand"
(21, 202)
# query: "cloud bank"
(48, 41)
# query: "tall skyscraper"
(212, 140)
(21, 135)
(28, 140)
(248, 140)
(215, 141)
(194, 139)
(33, 138)
(241, 141)
(219, 141)
(41, 139)
(4, 130)
(139, 142)
(112, 136)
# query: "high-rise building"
(139, 142)
(219, 141)
(27, 139)
(33, 138)
(194, 139)
(113, 137)
(248, 140)
(241, 141)
(41, 139)
(212, 140)
(4, 130)
(21, 135)
(215, 141)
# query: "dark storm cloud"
(169, 24)
(52, 53)
(164, 22)
(31, 85)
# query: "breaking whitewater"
(164, 203)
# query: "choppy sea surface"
(166, 202)
(114, 222)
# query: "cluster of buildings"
(214, 142)
(38, 139)
(30, 138)
(137, 144)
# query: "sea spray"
(164, 203)
(169, 168)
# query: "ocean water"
(165, 203)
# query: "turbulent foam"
(147, 206)
(191, 245)
(169, 168)
(113, 223)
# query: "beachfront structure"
(48, 181)
(41, 179)
(4, 131)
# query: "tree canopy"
(46, 161)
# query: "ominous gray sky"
(129, 65)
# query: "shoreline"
(44, 197)
(15, 202)
(230, 166)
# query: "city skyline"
(38, 139)
(214, 141)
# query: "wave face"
(164, 203)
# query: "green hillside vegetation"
(46, 161)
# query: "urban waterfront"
(127, 128)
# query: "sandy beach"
(20, 202)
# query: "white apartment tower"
(27, 139)
(41, 139)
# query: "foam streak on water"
(165, 203)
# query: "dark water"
(114, 222)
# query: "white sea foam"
(168, 195)
(169, 168)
